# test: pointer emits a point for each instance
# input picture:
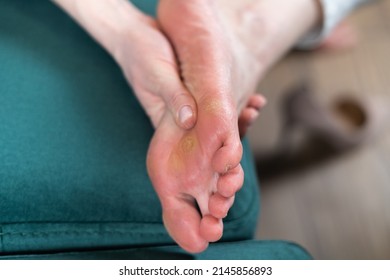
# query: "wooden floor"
(337, 207)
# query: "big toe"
(182, 221)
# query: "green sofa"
(73, 143)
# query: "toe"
(182, 221)
(250, 113)
(247, 117)
(211, 228)
(228, 156)
(231, 182)
(257, 101)
(219, 205)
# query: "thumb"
(178, 100)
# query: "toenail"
(227, 168)
(185, 114)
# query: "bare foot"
(196, 173)
(190, 169)
(196, 169)
(200, 168)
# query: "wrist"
(107, 21)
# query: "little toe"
(211, 228)
(247, 117)
(219, 205)
(257, 102)
(231, 182)
(182, 221)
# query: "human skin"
(146, 58)
(223, 48)
(194, 157)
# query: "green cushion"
(73, 142)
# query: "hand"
(147, 59)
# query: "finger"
(178, 99)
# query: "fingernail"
(185, 114)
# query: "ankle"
(269, 31)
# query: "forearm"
(105, 20)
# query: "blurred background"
(335, 204)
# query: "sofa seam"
(74, 232)
(1, 238)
